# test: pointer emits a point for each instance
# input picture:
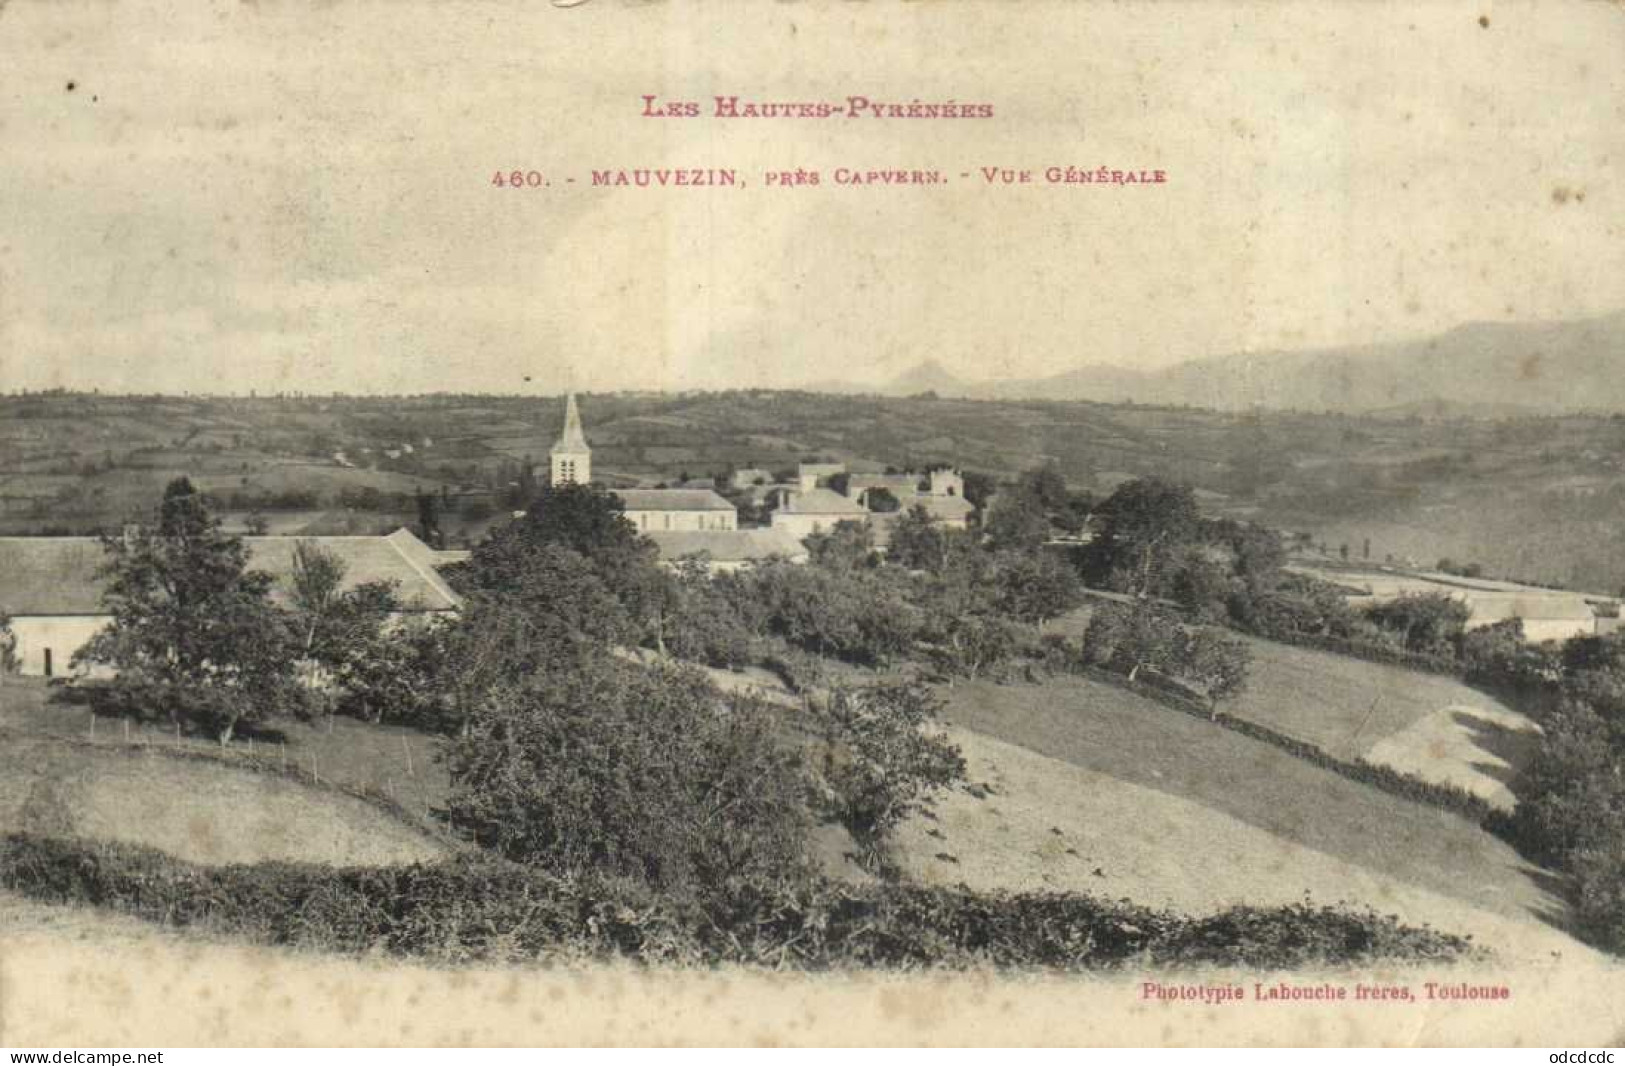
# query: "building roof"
(572, 439)
(58, 575)
(1490, 607)
(673, 500)
(821, 469)
(822, 501)
(899, 485)
(50, 575)
(942, 508)
(727, 545)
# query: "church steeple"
(571, 455)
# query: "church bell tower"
(571, 456)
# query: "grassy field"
(1028, 821)
(198, 810)
(1107, 731)
(1428, 725)
(398, 764)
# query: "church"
(683, 522)
(651, 510)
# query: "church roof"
(673, 500)
(572, 439)
(59, 575)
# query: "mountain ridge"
(1495, 367)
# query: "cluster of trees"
(1571, 796)
(196, 638)
(562, 749)
(1131, 638)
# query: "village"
(52, 596)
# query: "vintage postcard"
(625, 522)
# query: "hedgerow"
(477, 908)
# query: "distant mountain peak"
(928, 376)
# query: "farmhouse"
(1547, 614)
(1545, 617)
(950, 512)
(802, 514)
(52, 589)
(941, 494)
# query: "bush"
(479, 908)
(882, 759)
(1599, 877)
(607, 767)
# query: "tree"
(705, 625)
(848, 545)
(589, 523)
(316, 576)
(9, 661)
(882, 758)
(1214, 662)
(193, 631)
(1016, 521)
(856, 615)
(979, 488)
(1033, 588)
(614, 768)
(1046, 485)
(400, 673)
(917, 542)
(1431, 623)
(1143, 522)
(429, 519)
(1128, 638)
(881, 500)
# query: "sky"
(295, 197)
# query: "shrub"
(604, 766)
(479, 908)
(882, 758)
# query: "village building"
(726, 550)
(668, 510)
(816, 511)
(749, 476)
(813, 475)
(949, 512)
(52, 586)
(940, 493)
(1544, 617)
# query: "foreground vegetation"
(485, 909)
(612, 793)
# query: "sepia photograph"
(647, 522)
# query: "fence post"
(408, 749)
